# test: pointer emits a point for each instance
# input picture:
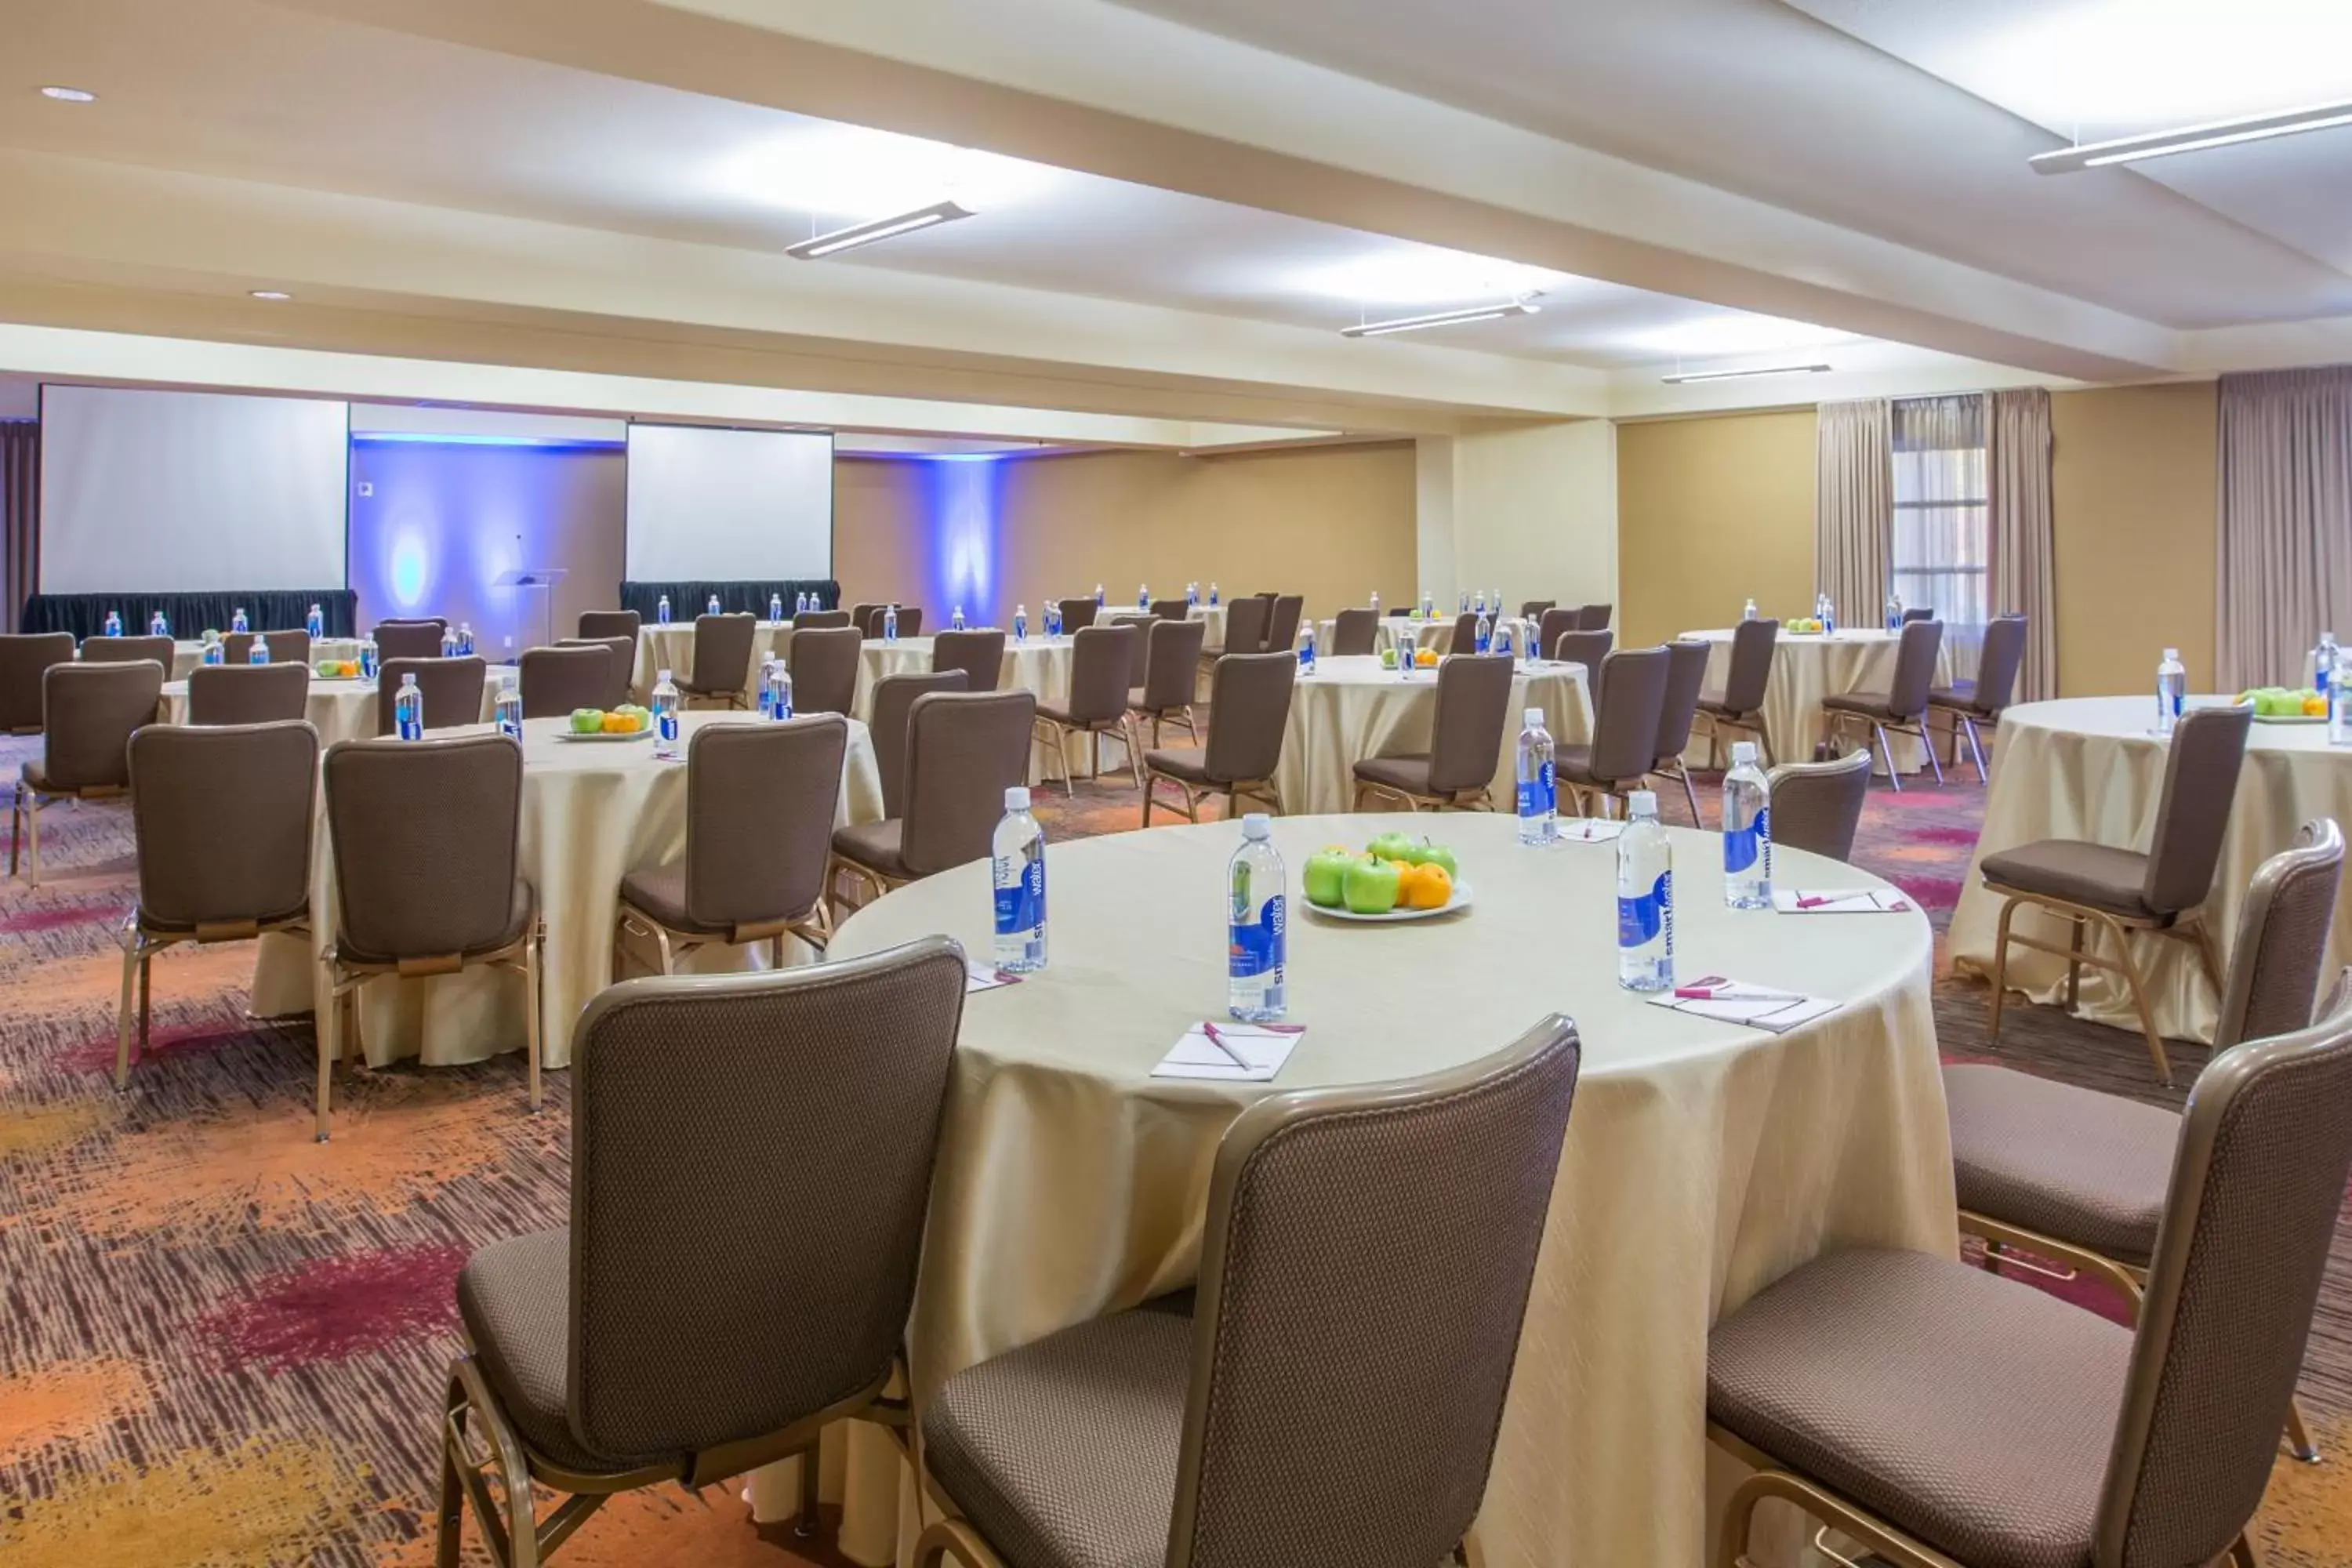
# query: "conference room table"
(592, 811)
(1806, 667)
(1350, 709)
(189, 652)
(2092, 768)
(343, 710)
(1704, 1159)
(671, 647)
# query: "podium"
(540, 580)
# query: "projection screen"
(727, 506)
(191, 491)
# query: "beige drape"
(1853, 506)
(2286, 557)
(2024, 576)
(20, 504)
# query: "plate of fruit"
(1803, 625)
(2285, 705)
(336, 669)
(626, 722)
(1396, 878)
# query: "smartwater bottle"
(1053, 617)
(1463, 607)
(1484, 635)
(508, 711)
(113, 627)
(367, 656)
(1502, 643)
(955, 621)
(2171, 690)
(1428, 605)
(1020, 622)
(158, 626)
(2323, 663)
(408, 710)
(1098, 596)
(236, 621)
(259, 652)
(775, 607)
(1376, 604)
(1306, 649)
(1192, 595)
(213, 652)
(1750, 613)
(1256, 955)
(1746, 832)
(1828, 614)
(2339, 703)
(1144, 595)
(665, 718)
(448, 642)
(315, 623)
(465, 639)
(1213, 596)
(890, 623)
(800, 606)
(1479, 602)
(1539, 792)
(779, 689)
(712, 608)
(1018, 862)
(661, 611)
(1894, 612)
(1645, 899)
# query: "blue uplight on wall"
(965, 505)
(409, 568)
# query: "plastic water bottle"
(1257, 954)
(1020, 622)
(1645, 899)
(315, 623)
(367, 657)
(1894, 612)
(1017, 861)
(1746, 832)
(890, 624)
(1192, 595)
(1502, 643)
(508, 710)
(1484, 636)
(955, 621)
(1213, 596)
(661, 611)
(2339, 703)
(775, 607)
(259, 652)
(1053, 617)
(2323, 663)
(1376, 604)
(448, 642)
(1428, 605)
(1306, 649)
(158, 626)
(215, 653)
(1539, 792)
(1479, 602)
(665, 718)
(408, 709)
(713, 608)
(800, 606)
(236, 621)
(113, 627)
(1098, 596)
(465, 639)
(1463, 607)
(1750, 613)
(779, 689)
(2171, 690)
(1144, 595)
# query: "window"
(1942, 525)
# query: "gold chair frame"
(1839, 718)
(525, 957)
(1195, 794)
(1749, 723)
(815, 928)
(1677, 769)
(1480, 799)
(953, 1537)
(142, 942)
(2188, 928)
(1046, 731)
(1962, 721)
(24, 820)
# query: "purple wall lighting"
(963, 503)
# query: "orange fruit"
(1425, 888)
(2315, 706)
(616, 723)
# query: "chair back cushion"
(1627, 700)
(222, 817)
(894, 699)
(93, 709)
(1550, 626)
(408, 639)
(1102, 670)
(750, 1167)
(2200, 782)
(1249, 698)
(758, 817)
(1818, 805)
(2281, 945)
(823, 620)
(598, 624)
(723, 651)
(1138, 652)
(1473, 704)
(1686, 674)
(284, 648)
(1530, 609)
(1245, 622)
(424, 836)
(619, 670)
(964, 750)
(1914, 669)
(824, 664)
(1998, 662)
(1171, 664)
(1587, 648)
(979, 654)
(1169, 609)
(1365, 1270)
(24, 658)
(1077, 615)
(1594, 618)
(451, 690)
(1752, 642)
(1354, 631)
(1466, 634)
(555, 680)
(247, 693)
(123, 651)
(1282, 621)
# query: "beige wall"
(1709, 512)
(1534, 514)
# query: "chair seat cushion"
(515, 1299)
(1574, 764)
(1718, 706)
(1068, 719)
(1063, 1453)
(874, 844)
(1973, 1412)
(1961, 698)
(1869, 704)
(660, 892)
(1187, 762)
(2093, 874)
(2076, 1165)
(1410, 775)
(523, 907)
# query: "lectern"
(538, 580)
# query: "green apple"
(1387, 658)
(587, 721)
(1427, 854)
(1370, 885)
(1327, 875)
(326, 666)
(1393, 846)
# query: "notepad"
(1235, 1053)
(1772, 1008)
(978, 976)
(1588, 829)
(1840, 901)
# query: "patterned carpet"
(223, 1345)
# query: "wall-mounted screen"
(723, 506)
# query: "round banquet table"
(189, 652)
(671, 647)
(1038, 665)
(592, 812)
(1806, 667)
(343, 709)
(1403, 631)
(1213, 618)
(1704, 1159)
(1350, 709)
(2090, 768)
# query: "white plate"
(2290, 717)
(647, 733)
(1458, 902)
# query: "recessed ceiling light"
(271, 294)
(70, 94)
(1683, 377)
(850, 239)
(2193, 138)
(1523, 306)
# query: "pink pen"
(1218, 1040)
(1707, 991)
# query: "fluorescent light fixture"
(1400, 277)
(850, 239)
(273, 295)
(841, 173)
(2193, 138)
(1683, 377)
(70, 94)
(1523, 306)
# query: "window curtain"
(1853, 506)
(2285, 554)
(1940, 545)
(20, 503)
(2024, 576)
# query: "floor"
(223, 1345)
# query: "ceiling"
(1180, 202)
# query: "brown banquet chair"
(1550, 626)
(1918, 613)
(1101, 663)
(893, 701)
(1594, 618)
(1587, 648)
(284, 648)
(1997, 666)
(1535, 609)
(1685, 673)
(451, 690)
(722, 660)
(1463, 638)
(1629, 689)
(619, 670)
(24, 660)
(1741, 706)
(823, 665)
(1138, 651)
(1282, 621)
(247, 693)
(1171, 609)
(1245, 622)
(595, 625)
(722, 1294)
(910, 622)
(2120, 892)
(424, 887)
(760, 801)
(1171, 662)
(1902, 708)
(964, 750)
(979, 654)
(823, 620)
(123, 650)
(1473, 704)
(1354, 632)
(407, 639)
(92, 710)
(1334, 1402)
(1078, 615)
(866, 616)
(1934, 1414)
(1817, 807)
(1249, 710)
(199, 881)
(2077, 1178)
(555, 680)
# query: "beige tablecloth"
(1402, 632)
(2088, 768)
(1351, 708)
(189, 652)
(1211, 617)
(343, 709)
(1038, 665)
(591, 813)
(1806, 668)
(671, 647)
(1704, 1161)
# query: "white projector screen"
(187, 492)
(728, 506)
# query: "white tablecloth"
(1402, 632)
(2088, 768)
(189, 652)
(1704, 1161)
(591, 813)
(343, 709)
(1350, 710)
(1212, 618)
(1038, 665)
(671, 647)
(1806, 668)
